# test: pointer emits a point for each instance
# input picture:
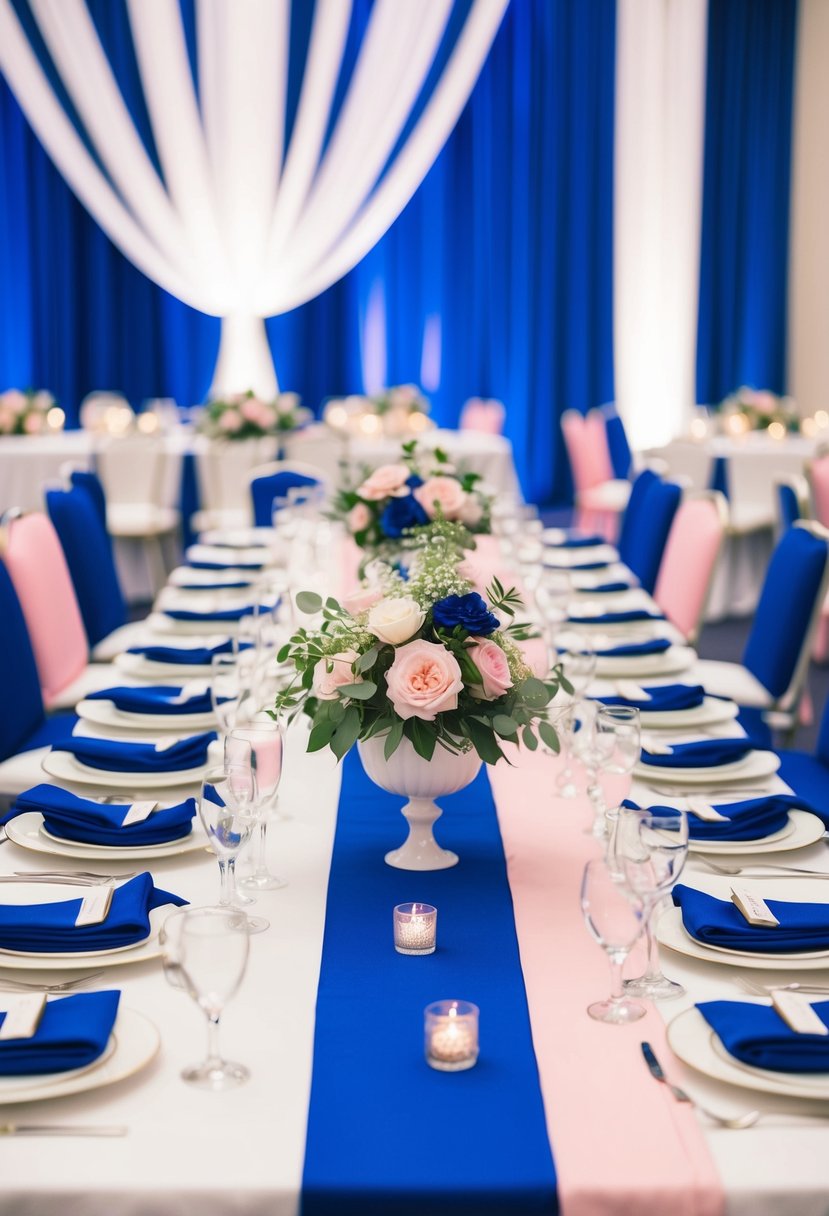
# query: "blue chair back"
(91, 482)
(790, 589)
(634, 514)
(21, 710)
(788, 506)
(76, 516)
(274, 485)
(659, 506)
(617, 442)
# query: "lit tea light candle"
(415, 928)
(451, 1035)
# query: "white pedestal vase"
(421, 781)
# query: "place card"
(755, 909)
(94, 907)
(164, 745)
(796, 1011)
(138, 812)
(632, 691)
(193, 688)
(704, 810)
(656, 747)
(23, 1016)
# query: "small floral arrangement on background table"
(425, 658)
(33, 412)
(245, 416)
(395, 412)
(752, 409)
(421, 489)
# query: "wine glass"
(617, 739)
(578, 665)
(649, 850)
(614, 919)
(227, 809)
(225, 690)
(260, 745)
(205, 952)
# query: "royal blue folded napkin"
(577, 542)
(635, 649)
(74, 818)
(548, 565)
(609, 588)
(73, 1032)
(758, 1036)
(191, 656)
(231, 563)
(240, 586)
(118, 756)
(665, 699)
(616, 618)
(218, 614)
(750, 819)
(717, 922)
(705, 753)
(154, 699)
(51, 929)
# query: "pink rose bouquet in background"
(246, 416)
(29, 413)
(425, 657)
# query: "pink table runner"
(622, 1144)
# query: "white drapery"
(657, 209)
(241, 227)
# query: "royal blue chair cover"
(91, 482)
(265, 489)
(656, 514)
(617, 442)
(790, 589)
(788, 506)
(634, 513)
(86, 546)
(809, 775)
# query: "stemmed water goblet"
(614, 919)
(225, 690)
(617, 740)
(578, 665)
(259, 745)
(205, 952)
(648, 851)
(228, 812)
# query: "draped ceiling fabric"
(241, 218)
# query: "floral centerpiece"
(396, 411)
(29, 413)
(421, 488)
(246, 416)
(752, 409)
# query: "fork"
(768, 989)
(90, 876)
(689, 791)
(759, 870)
(66, 986)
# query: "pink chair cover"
(485, 416)
(819, 478)
(688, 563)
(587, 448)
(38, 569)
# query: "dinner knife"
(656, 1070)
(62, 1129)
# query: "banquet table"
(620, 1143)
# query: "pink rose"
(359, 517)
(471, 573)
(471, 512)
(15, 400)
(424, 680)
(251, 410)
(362, 599)
(230, 421)
(446, 492)
(385, 482)
(492, 663)
(33, 424)
(332, 672)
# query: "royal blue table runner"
(387, 1133)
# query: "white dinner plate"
(695, 1043)
(255, 558)
(670, 932)
(27, 830)
(238, 538)
(572, 559)
(105, 713)
(757, 765)
(160, 623)
(711, 712)
(141, 668)
(638, 667)
(136, 1043)
(210, 580)
(119, 956)
(802, 830)
(65, 767)
(11, 1086)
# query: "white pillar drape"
(240, 227)
(657, 211)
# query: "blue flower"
(402, 513)
(469, 611)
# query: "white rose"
(395, 620)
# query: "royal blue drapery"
(741, 338)
(495, 281)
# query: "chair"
(772, 674)
(791, 496)
(486, 416)
(808, 775)
(690, 559)
(647, 541)
(25, 731)
(274, 480)
(817, 477)
(621, 457)
(600, 497)
(223, 470)
(134, 471)
(34, 559)
(634, 513)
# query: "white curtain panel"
(241, 227)
(657, 212)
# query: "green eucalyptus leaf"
(361, 691)
(308, 602)
(393, 738)
(549, 736)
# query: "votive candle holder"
(415, 928)
(451, 1035)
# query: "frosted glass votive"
(451, 1035)
(415, 928)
